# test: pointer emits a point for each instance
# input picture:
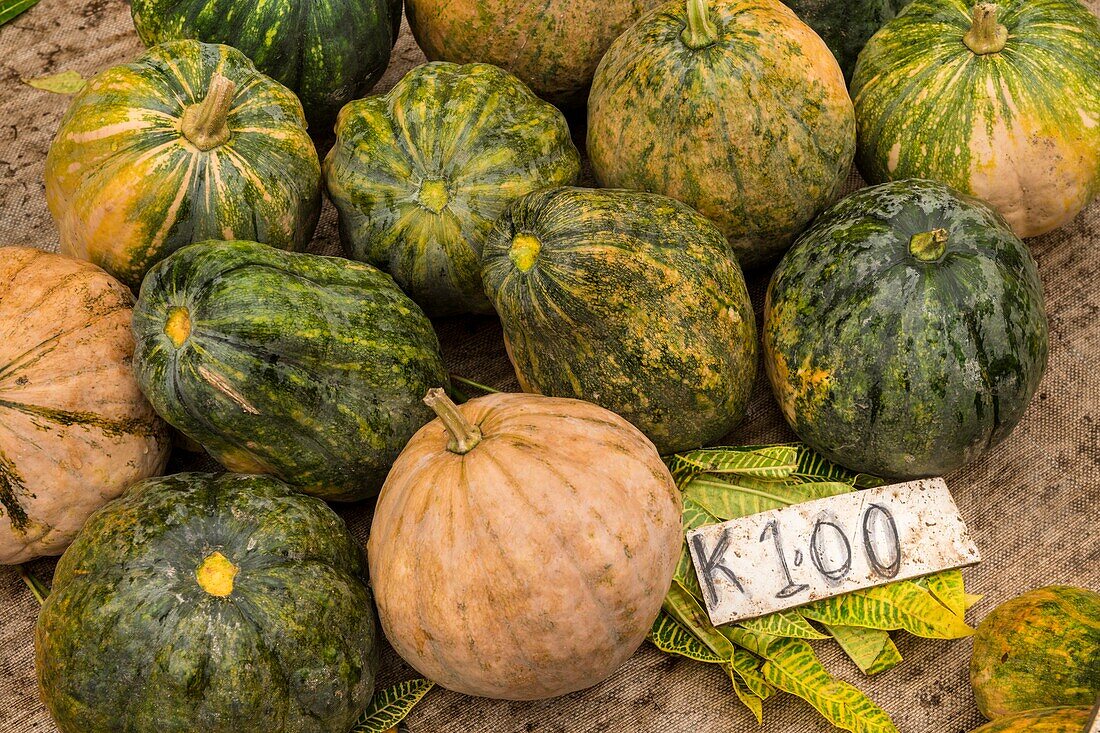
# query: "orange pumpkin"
(77, 430)
(522, 545)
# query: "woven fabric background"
(1033, 504)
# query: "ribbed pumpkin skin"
(327, 51)
(127, 188)
(845, 25)
(1039, 650)
(309, 368)
(131, 640)
(1019, 129)
(893, 366)
(634, 302)
(1048, 720)
(553, 46)
(421, 174)
(756, 131)
(533, 565)
(76, 429)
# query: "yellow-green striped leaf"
(787, 624)
(903, 605)
(872, 650)
(947, 588)
(9, 9)
(747, 667)
(751, 701)
(740, 496)
(389, 707)
(682, 606)
(670, 637)
(777, 461)
(65, 82)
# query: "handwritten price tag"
(779, 559)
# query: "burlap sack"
(1032, 505)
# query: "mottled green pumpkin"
(552, 46)
(189, 142)
(328, 51)
(1001, 101)
(845, 25)
(420, 175)
(1046, 720)
(204, 603)
(1039, 650)
(734, 107)
(629, 300)
(309, 368)
(905, 332)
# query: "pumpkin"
(327, 52)
(187, 143)
(309, 368)
(552, 46)
(999, 101)
(1047, 720)
(522, 545)
(905, 332)
(845, 25)
(77, 430)
(420, 175)
(734, 107)
(1039, 650)
(204, 603)
(629, 300)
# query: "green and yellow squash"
(629, 300)
(845, 25)
(1039, 650)
(999, 100)
(305, 367)
(204, 603)
(1046, 720)
(327, 51)
(552, 46)
(734, 107)
(76, 430)
(187, 143)
(905, 332)
(420, 175)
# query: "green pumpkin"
(189, 142)
(1000, 101)
(204, 603)
(629, 300)
(1046, 720)
(309, 368)
(905, 332)
(1039, 650)
(328, 51)
(734, 107)
(845, 25)
(420, 175)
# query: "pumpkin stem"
(38, 589)
(700, 31)
(986, 35)
(177, 327)
(928, 246)
(525, 251)
(464, 435)
(204, 123)
(215, 575)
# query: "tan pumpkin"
(76, 429)
(522, 545)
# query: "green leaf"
(751, 701)
(903, 605)
(11, 8)
(747, 667)
(776, 461)
(788, 624)
(793, 668)
(972, 600)
(390, 706)
(754, 641)
(947, 587)
(39, 589)
(686, 609)
(744, 495)
(670, 637)
(872, 650)
(66, 82)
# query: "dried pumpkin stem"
(700, 31)
(986, 35)
(464, 434)
(205, 123)
(928, 246)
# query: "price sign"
(779, 559)
(1093, 725)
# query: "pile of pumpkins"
(521, 544)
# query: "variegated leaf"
(903, 605)
(685, 608)
(65, 82)
(751, 701)
(9, 9)
(747, 667)
(947, 587)
(788, 624)
(872, 650)
(389, 707)
(670, 637)
(740, 496)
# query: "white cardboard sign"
(783, 558)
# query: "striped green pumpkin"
(845, 25)
(420, 175)
(309, 368)
(1001, 101)
(905, 332)
(327, 51)
(734, 107)
(189, 142)
(629, 300)
(1044, 720)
